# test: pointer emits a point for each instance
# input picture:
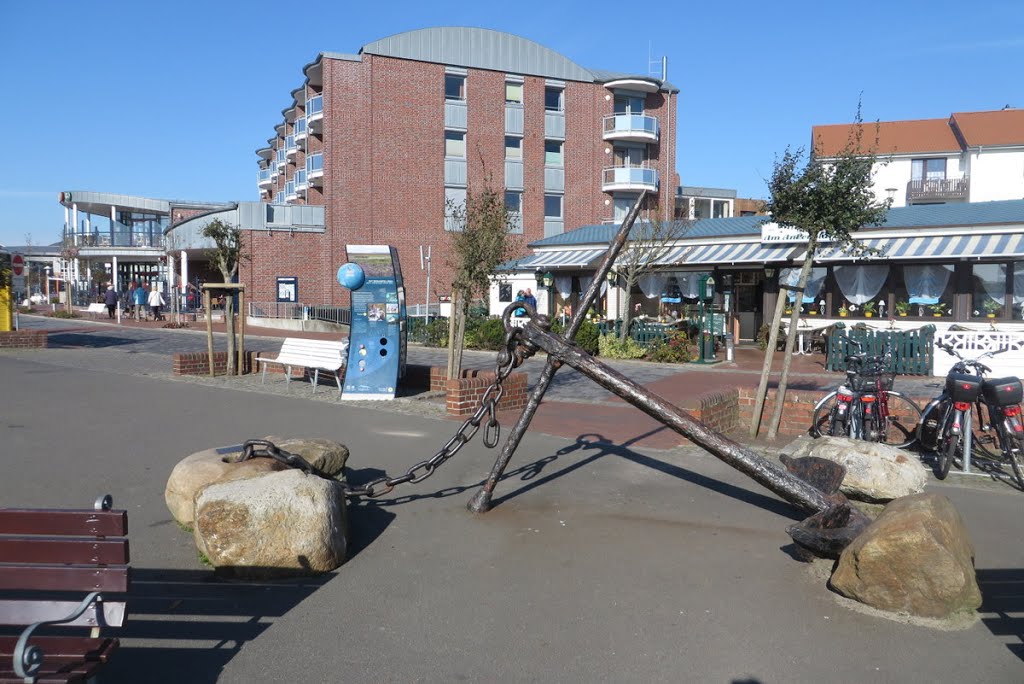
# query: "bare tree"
(649, 242)
(226, 256)
(480, 237)
(829, 198)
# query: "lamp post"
(47, 285)
(613, 278)
(707, 327)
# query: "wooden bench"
(315, 355)
(50, 558)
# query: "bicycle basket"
(868, 382)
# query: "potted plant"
(992, 307)
(869, 309)
(938, 309)
(843, 311)
(903, 308)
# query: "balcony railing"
(641, 177)
(938, 189)
(315, 169)
(300, 181)
(290, 148)
(315, 113)
(633, 127)
(289, 191)
(282, 157)
(264, 178)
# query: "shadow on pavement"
(68, 340)
(1002, 592)
(191, 624)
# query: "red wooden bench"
(61, 569)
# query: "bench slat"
(63, 578)
(28, 611)
(64, 522)
(65, 659)
(80, 550)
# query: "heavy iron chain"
(512, 355)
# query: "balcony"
(265, 178)
(300, 182)
(315, 114)
(290, 148)
(635, 178)
(282, 158)
(315, 169)
(631, 127)
(300, 132)
(938, 190)
(289, 192)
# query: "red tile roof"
(1003, 127)
(890, 137)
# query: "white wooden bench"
(314, 355)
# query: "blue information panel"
(376, 352)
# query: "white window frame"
(451, 135)
(561, 206)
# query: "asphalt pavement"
(601, 562)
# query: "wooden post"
(240, 370)
(208, 304)
(769, 355)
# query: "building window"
(513, 147)
(513, 201)
(552, 153)
(513, 93)
(454, 87)
(552, 206)
(455, 144)
(554, 99)
(629, 104)
(989, 295)
(504, 292)
(454, 208)
(927, 169)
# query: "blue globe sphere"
(351, 276)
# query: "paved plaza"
(606, 559)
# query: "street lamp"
(545, 280)
(47, 285)
(613, 279)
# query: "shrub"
(61, 313)
(491, 334)
(762, 337)
(587, 338)
(675, 348)
(435, 333)
(609, 346)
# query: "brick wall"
(463, 394)
(198, 363)
(797, 411)
(24, 339)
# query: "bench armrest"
(28, 659)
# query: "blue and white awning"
(934, 247)
(576, 258)
(743, 252)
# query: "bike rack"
(811, 484)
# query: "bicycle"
(946, 421)
(866, 407)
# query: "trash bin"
(730, 347)
(709, 347)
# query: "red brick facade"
(384, 169)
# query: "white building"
(969, 157)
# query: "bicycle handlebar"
(862, 358)
(963, 364)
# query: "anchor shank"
(768, 474)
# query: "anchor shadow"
(1002, 592)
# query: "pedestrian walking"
(156, 300)
(530, 299)
(110, 299)
(139, 300)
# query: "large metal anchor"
(811, 484)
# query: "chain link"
(511, 356)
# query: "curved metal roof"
(481, 49)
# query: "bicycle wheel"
(949, 448)
(900, 428)
(823, 422)
(1014, 450)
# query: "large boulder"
(915, 558)
(874, 472)
(325, 455)
(200, 469)
(281, 524)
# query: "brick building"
(384, 139)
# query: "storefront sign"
(775, 233)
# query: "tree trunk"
(456, 335)
(229, 329)
(627, 309)
(766, 370)
(787, 359)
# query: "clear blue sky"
(171, 100)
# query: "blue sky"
(171, 100)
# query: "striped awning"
(744, 252)
(576, 258)
(672, 256)
(935, 247)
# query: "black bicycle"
(947, 420)
(866, 407)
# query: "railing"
(938, 189)
(300, 180)
(300, 127)
(315, 107)
(264, 177)
(314, 166)
(630, 178)
(290, 147)
(301, 312)
(630, 126)
(282, 157)
(913, 351)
